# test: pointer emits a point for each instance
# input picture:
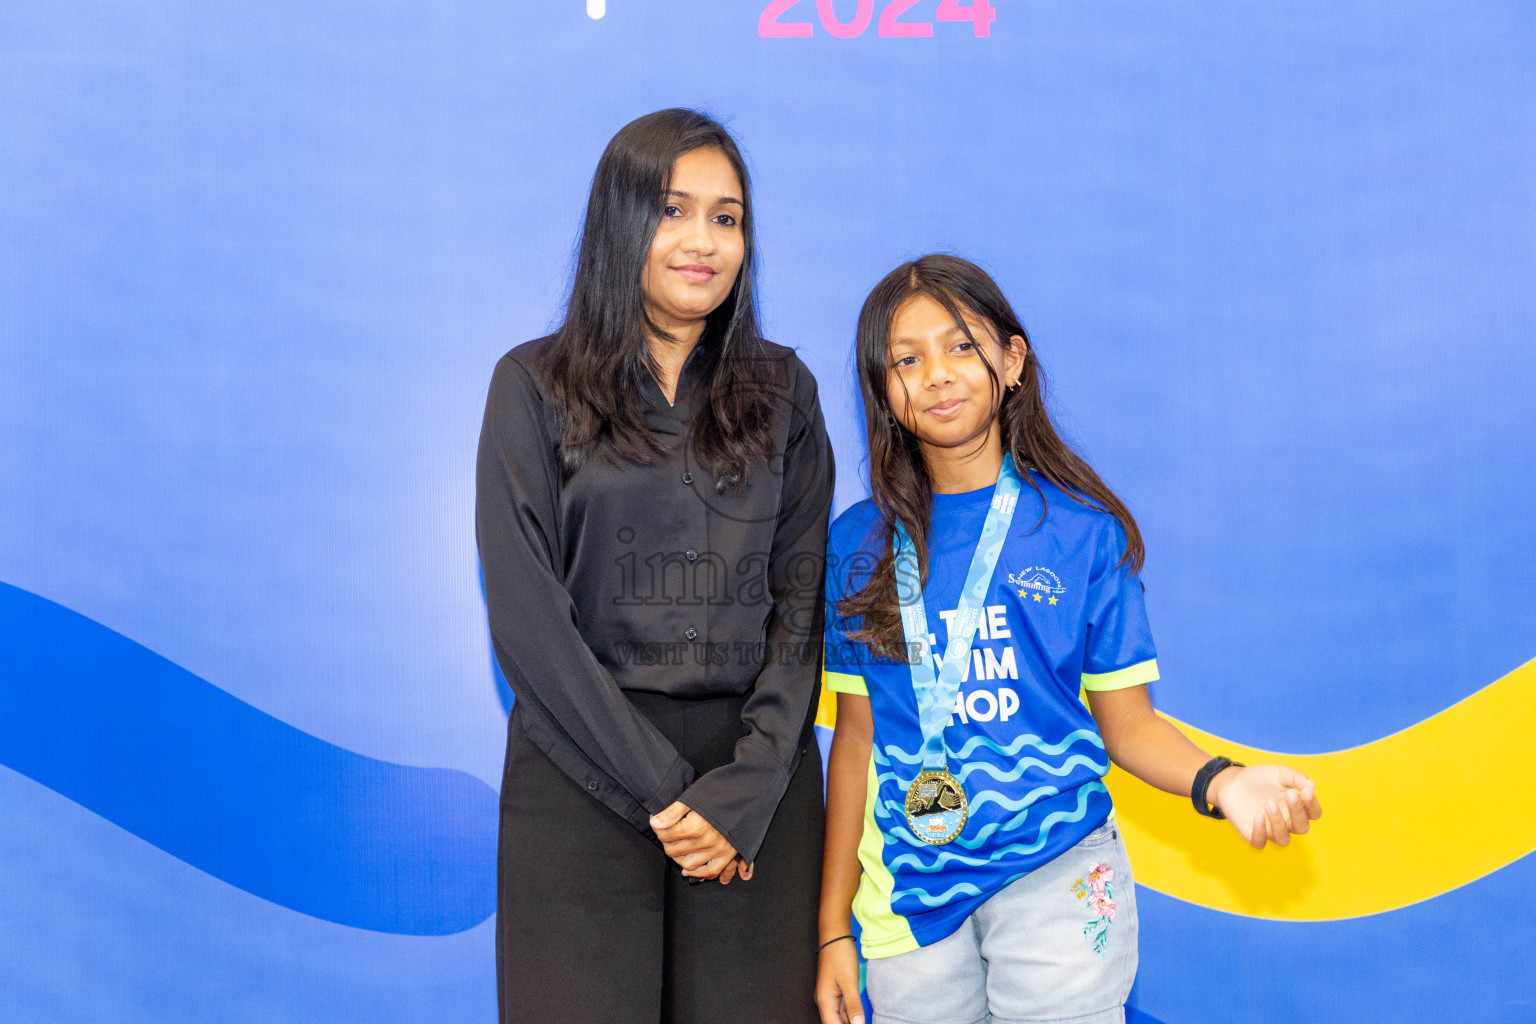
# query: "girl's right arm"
(837, 965)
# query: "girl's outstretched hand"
(1266, 802)
(837, 984)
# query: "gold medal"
(936, 807)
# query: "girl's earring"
(1013, 386)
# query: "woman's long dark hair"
(898, 477)
(599, 362)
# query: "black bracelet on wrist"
(1215, 766)
(829, 942)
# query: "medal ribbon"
(936, 693)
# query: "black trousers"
(596, 925)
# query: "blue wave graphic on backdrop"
(233, 791)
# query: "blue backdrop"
(258, 259)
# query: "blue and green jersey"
(1061, 615)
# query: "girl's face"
(938, 383)
(699, 245)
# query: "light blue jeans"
(1058, 944)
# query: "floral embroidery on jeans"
(1099, 891)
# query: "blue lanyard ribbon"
(936, 694)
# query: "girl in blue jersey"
(990, 579)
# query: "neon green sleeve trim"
(1133, 675)
(842, 682)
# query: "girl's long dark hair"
(898, 478)
(599, 361)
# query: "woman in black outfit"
(653, 490)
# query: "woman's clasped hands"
(697, 846)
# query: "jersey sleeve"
(842, 658)
(1119, 651)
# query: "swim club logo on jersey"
(1039, 583)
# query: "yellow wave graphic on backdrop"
(1405, 818)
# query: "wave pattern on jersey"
(947, 856)
(985, 757)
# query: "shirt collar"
(680, 412)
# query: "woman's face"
(699, 245)
(937, 382)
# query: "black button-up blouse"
(629, 578)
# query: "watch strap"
(1203, 777)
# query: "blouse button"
(687, 477)
(592, 785)
(693, 556)
(691, 633)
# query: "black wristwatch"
(1203, 778)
